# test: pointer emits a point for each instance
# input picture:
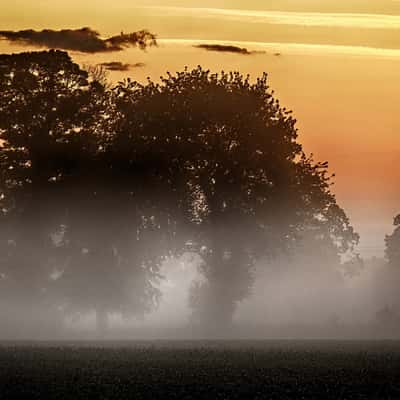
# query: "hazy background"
(336, 64)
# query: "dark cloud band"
(119, 66)
(85, 40)
(222, 48)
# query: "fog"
(288, 300)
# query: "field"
(200, 370)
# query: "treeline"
(100, 184)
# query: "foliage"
(100, 185)
(68, 207)
(250, 190)
(392, 241)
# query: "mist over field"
(199, 200)
(288, 300)
(140, 202)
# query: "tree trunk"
(229, 282)
(101, 323)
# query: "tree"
(45, 98)
(250, 190)
(392, 251)
(387, 281)
(110, 182)
(71, 208)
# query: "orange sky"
(339, 71)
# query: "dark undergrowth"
(201, 370)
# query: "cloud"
(85, 40)
(138, 65)
(119, 66)
(115, 66)
(288, 48)
(223, 48)
(319, 19)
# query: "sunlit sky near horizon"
(338, 69)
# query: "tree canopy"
(100, 184)
(70, 207)
(250, 190)
(392, 241)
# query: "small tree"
(392, 251)
(389, 279)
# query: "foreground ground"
(200, 370)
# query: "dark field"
(201, 370)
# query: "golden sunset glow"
(336, 65)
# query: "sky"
(336, 64)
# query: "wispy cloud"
(343, 20)
(293, 48)
(138, 65)
(225, 48)
(120, 66)
(85, 40)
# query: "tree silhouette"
(389, 280)
(392, 251)
(99, 185)
(250, 190)
(45, 97)
(73, 221)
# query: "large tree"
(76, 221)
(45, 101)
(250, 189)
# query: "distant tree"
(392, 251)
(250, 190)
(353, 266)
(387, 317)
(388, 280)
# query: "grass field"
(200, 370)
